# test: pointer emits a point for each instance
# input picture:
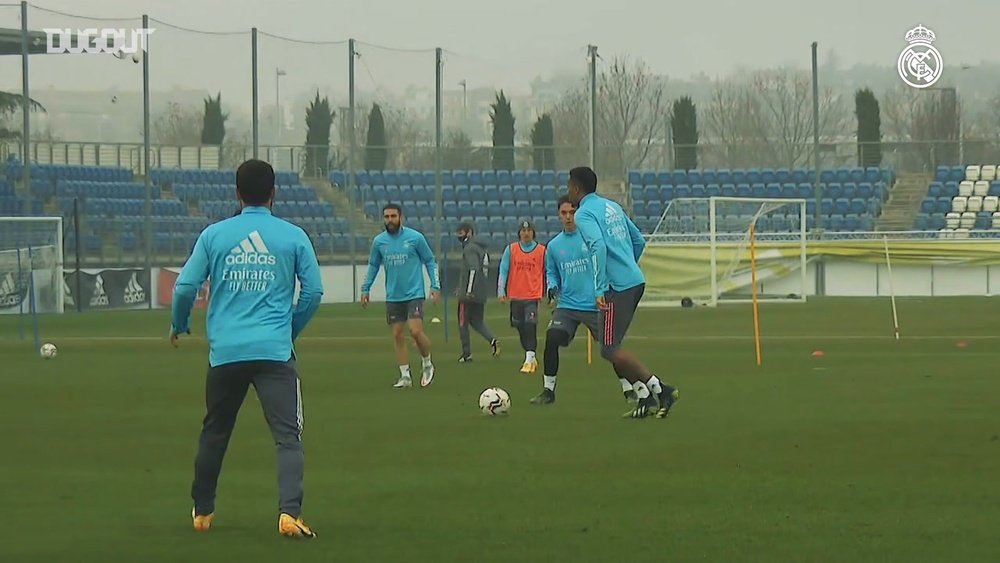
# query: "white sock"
(404, 371)
(549, 382)
(654, 385)
(626, 386)
(529, 356)
(641, 389)
(427, 362)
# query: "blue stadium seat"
(509, 208)
(709, 177)
(479, 208)
(850, 190)
(725, 176)
(475, 177)
(651, 193)
(698, 190)
(713, 190)
(636, 192)
(729, 190)
(739, 177)
(551, 193)
(520, 193)
(772, 190)
(865, 191)
(694, 177)
(682, 191)
(464, 208)
(535, 193)
(489, 178)
(767, 176)
(523, 208)
(679, 177)
(463, 193)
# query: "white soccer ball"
(48, 351)
(136, 58)
(494, 401)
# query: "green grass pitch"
(881, 450)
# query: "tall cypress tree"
(543, 153)
(684, 132)
(869, 128)
(502, 118)
(376, 149)
(213, 128)
(319, 118)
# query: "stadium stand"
(961, 201)
(496, 200)
(111, 202)
(852, 198)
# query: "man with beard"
(402, 251)
(473, 290)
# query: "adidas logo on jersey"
(251, 250)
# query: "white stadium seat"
(996, 220)
(975, 204)
(981, 188)
(972, 172)
(945, 233)
(968, 220)
(952, 219)
(988, 173)
(959, 204)
(965, 188)
(991, 203)
(961, 232)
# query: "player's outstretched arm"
(310, 286)
(192, 277)
(504, 272)
(593, 236)
(638, 242)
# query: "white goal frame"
(716, 240)
(58, 274)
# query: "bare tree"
(570, 123)
(766, 118)
(632, 113)
(178, 126)
(410, 143)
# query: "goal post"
(700, 250)
(31, 269)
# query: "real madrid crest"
(920, 64)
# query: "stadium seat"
(972, 172)
(959, 204)
(968, 220)
(974, 204)
(991, 204)
(981, 188)
(965, 188)
(988, 172)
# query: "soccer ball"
(48, 351)
(494, 401)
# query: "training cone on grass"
(962, 344)
(818, 353)
(435, 320)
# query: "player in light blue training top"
(570, 281)
(252, 261)
(615, 246)
(405, 254)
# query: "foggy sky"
(501, 44)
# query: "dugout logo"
(920, 64)
(100, 297)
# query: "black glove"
(553, 294)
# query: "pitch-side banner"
(165, 289)
(106, 289)
(686, 269)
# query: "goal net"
(31, 269)
(701, 250)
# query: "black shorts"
(618, 315)
(523, 312)
(402, 311)
(568, 321)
